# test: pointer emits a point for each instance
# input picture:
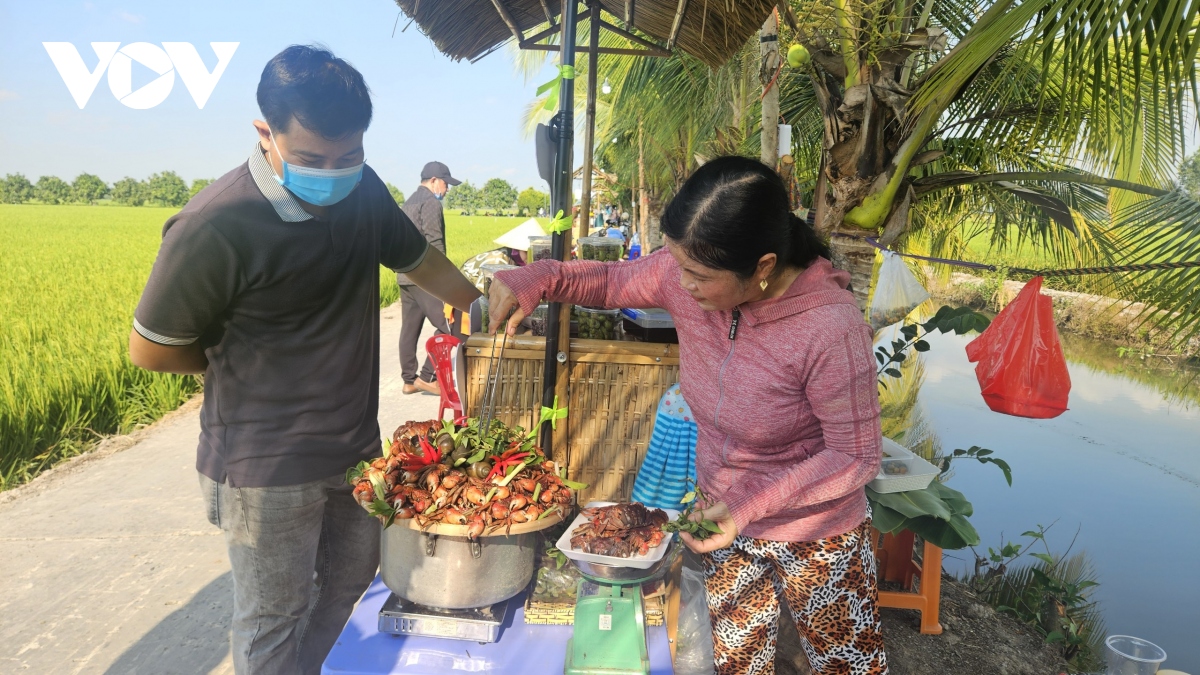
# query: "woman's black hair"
(325, 94)
(734, 210)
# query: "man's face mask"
(322, 187)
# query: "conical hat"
(518, 237)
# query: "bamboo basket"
(563, 613)
(613, 394)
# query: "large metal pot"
(454, 572)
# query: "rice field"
(70, 277)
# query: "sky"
(426, 106)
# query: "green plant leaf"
(952, 535)
(953, 498)
(688, 498)
(573, 485)
(1044, 557)
(886, 520)
(1004, 468)
(916, 503)
(377, 483)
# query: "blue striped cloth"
(671, 457)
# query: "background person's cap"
(438, 170)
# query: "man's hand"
(439, 277)
(718, 513)
(501, 302)
(185, 360)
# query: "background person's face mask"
(321, 187)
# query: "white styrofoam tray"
(920, 472)
(640, 562)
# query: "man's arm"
(185, 360)
(439, 277)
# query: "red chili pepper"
(432, 453)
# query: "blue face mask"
(322, 187)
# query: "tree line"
(169, 189)
(497, 196)
(162, 189)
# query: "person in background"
(424, 208)
(776, 364)
(267, 283)
(669, 469)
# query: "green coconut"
(798, 56)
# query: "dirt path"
(109, 564)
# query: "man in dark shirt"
(267, 282)
(424, 208)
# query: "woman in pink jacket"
(776, 363)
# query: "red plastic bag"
(1019, 360)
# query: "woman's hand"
(501, 302)
(719, 514)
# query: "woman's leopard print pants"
(829, 585)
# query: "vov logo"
(172, 57)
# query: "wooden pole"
(558, 322)
(589, 124)
(768, 48)
(643, 203)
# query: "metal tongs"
(488, 413)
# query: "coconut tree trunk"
(769, 51)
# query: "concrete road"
(108, 564)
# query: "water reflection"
(1121, 466)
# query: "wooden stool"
(896, 563)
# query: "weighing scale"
(610, 622)
(401, 617)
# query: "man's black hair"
(325, 94)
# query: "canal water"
(1121, 467)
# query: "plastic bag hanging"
(897, 292)
(1019, 360)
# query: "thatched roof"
(710, 30)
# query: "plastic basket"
(919, 473)
(489, 272)
(597, 324)
(607, 249)
(540, 248)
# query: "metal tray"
(641, 562)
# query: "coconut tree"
(1059, 122)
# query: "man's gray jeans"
(302, 555)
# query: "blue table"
(522, 649)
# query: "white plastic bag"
(693, 637)
(897, 292)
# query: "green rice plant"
(70, 278)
